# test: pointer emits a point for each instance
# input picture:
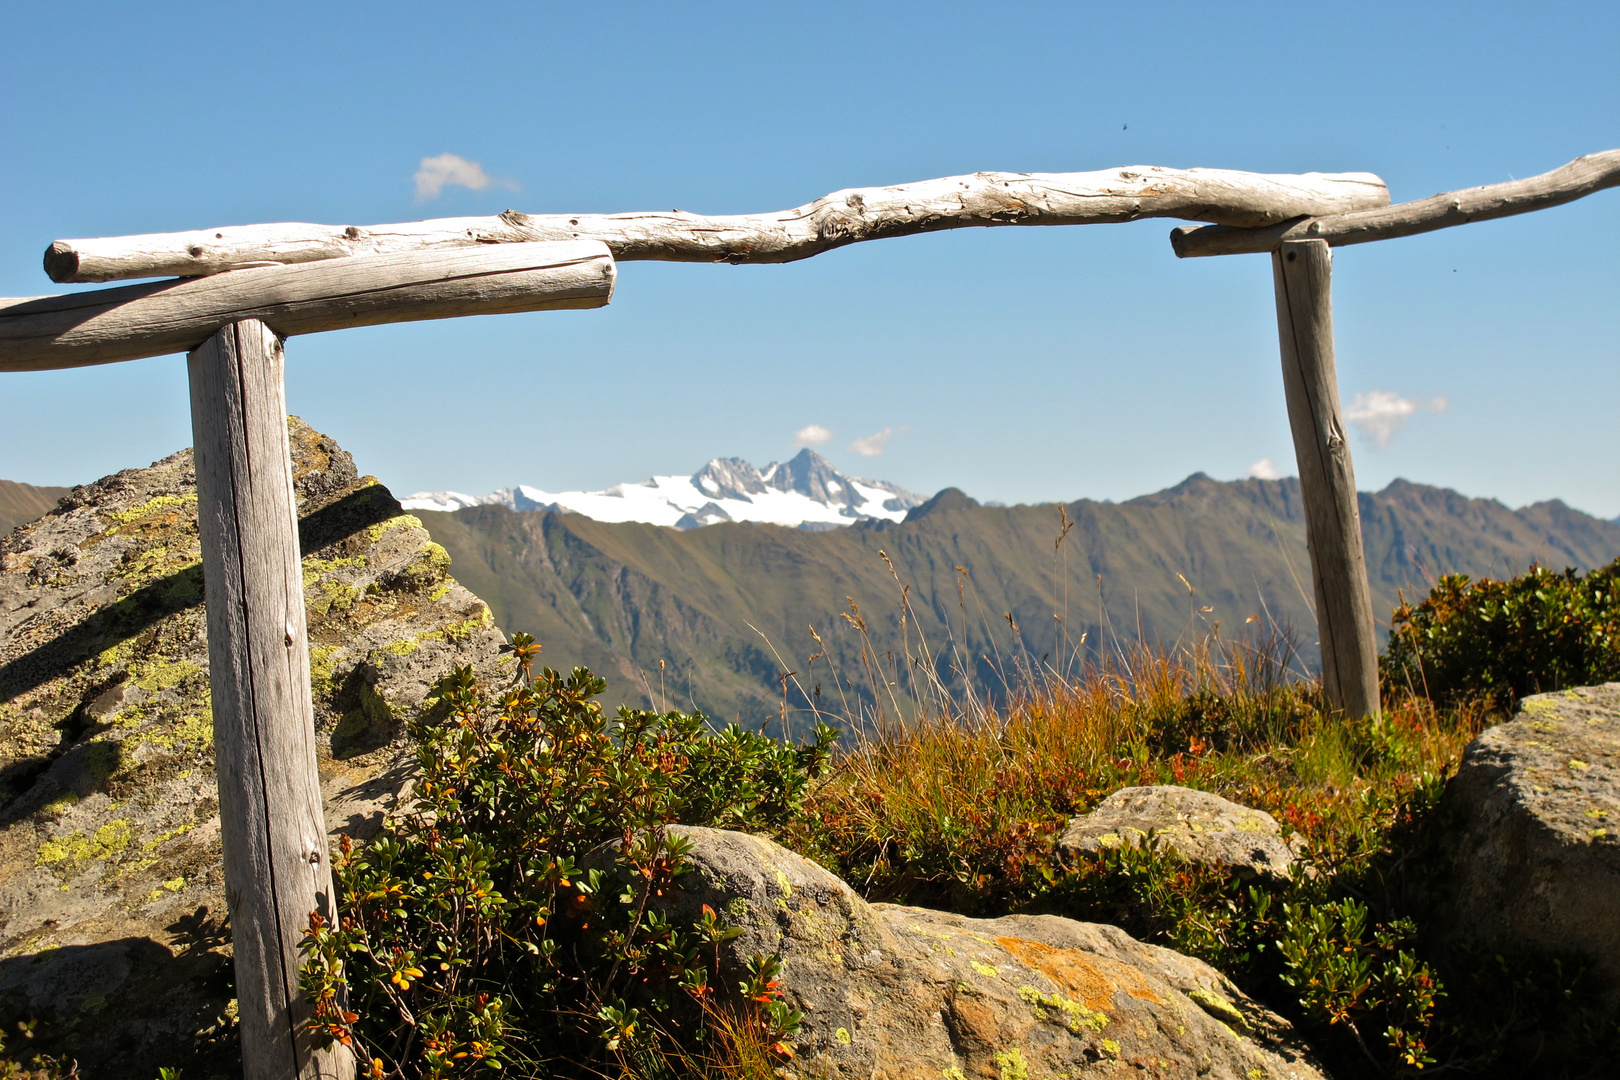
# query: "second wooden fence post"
(1303, 274)
(277, 868)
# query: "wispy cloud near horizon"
(811, 435)
(1264, 469)
(446, 170)
(872, 445)
(1380, 414)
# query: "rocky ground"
(905, 993)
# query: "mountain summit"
(806, 492)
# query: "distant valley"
(626, 597)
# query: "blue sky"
(1018, 364)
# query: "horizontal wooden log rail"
(1579, 178)
(844, 217)
(132, 321)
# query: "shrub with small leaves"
(470, 938)
(1498, 641)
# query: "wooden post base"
(1303, 273)
(277, 866)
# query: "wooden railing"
(241, 290)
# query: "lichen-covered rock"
(111, 894)
(1534, 829)
(902, 993)
(1202, 828)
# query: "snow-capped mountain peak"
(806, 491)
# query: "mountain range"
(21, 503)
(806, 492)
(713, 617)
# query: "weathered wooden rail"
(241, 290)
(832, 221)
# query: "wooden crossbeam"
(832, 221)
(126, 323)
(1579, 178)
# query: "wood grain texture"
(843, 217)
(1302, 272)
(133, 321)
(277, 866)
(1579, 178)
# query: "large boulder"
(112, 902)
(1204, 829)
(1533, 819)
(903, 993)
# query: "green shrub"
(470, 938)
(1497, 641)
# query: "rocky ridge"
(111, 895)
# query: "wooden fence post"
(1302, 271)
(277, 867)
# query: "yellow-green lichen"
(320, 669)
(461, 631)
(335, 596)
(953, 1072)
(173, 885)
(737, 908)
(370, 711)
(439, 593)
(59, 805)
(1110, 1047)
(1055, 1008)
(989, 971)
(69, 856)
(315, 569)
(842, 1035)
(398, 521)
(1218, 1007)
(402, 647)
(164, 837)
(150, 507)
(161, 674)
(1012, 1065)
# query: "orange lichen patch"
(1080, 975)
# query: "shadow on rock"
(125, 1008)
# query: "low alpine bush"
(1498, 641)
(470, 938)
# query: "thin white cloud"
(872, 445)
(812, 435)
(438, 173)
(1264, 469)
(1379, 414)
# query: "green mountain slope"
(623, 597)
(22, 503)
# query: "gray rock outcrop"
(111, 892)
(1533, 833)
(904, 993)
(1202, 828)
